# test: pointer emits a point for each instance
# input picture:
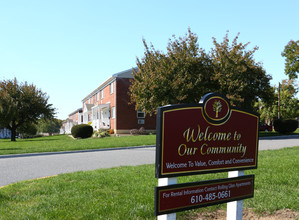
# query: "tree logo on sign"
(217, 108)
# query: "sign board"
(188, 196)
(211, 136)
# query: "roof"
(124, 74)
(74, 112)
(101, 106)
(89, 106)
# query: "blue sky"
(68, 48)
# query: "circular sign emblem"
(216, 108)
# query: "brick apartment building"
(108, 107)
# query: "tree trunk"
(13, 131)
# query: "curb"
(280, 137)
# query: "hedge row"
(82, 131)
(285, 126)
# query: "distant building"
(74, 118)
(5, 133)
(77, 116)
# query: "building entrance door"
(105, 118)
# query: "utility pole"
(279, 100)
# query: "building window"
(102, 94)
(140, 114)
(141, 121)
(111, 88)
(98, 95)
(113, 112)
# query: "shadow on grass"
(2, 197)
(10, 149)
(39, 140)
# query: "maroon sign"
(207, 137)
(188, 196)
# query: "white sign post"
(235, 208)
(167, 182)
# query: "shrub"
(285, 126)
(141, 131)
(82, 131)
(104, 134)
(101, 133)
(134, 132)
(95, 134)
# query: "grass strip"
(128, 192)
(65, 143)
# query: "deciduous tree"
(27, 130)
(182, 75)
(49, 126)
(21, 104)
(291, 54)
(238, 76)
(289, 104)
(186, 72)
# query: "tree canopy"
(27, 130)
(291, 54)
(237, 74)
(22, 104)
(289, 104)
(182, 75)
(49, 126)
(186, 72)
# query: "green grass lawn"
(128, 192)
(66, 143)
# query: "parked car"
(265, 127)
